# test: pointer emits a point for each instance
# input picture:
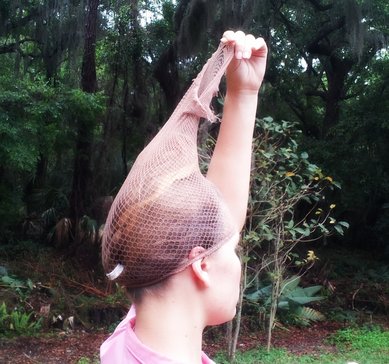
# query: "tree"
(287, 207)
(81, 194)
(341, 45)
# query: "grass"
(360, 345)
(85, 360)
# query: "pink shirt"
(123, 347)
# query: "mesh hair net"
(166, 206)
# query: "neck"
(170, 327)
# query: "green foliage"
(17, 323)
(287, 206)
(255, 357)
(371, 348)
(285, 179)
(119, 296)
(357, 156)
(86, 360)
(291, 301)
(84, 107)
(367, 338)
(160, 31)
(38, 127)
(342, 315)
(22, 288)
(29, 115)
(20, 249)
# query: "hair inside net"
(166, 207)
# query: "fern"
(308, 314)
(17, 322)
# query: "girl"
(171, 234)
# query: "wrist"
(243, 95)
(242, 92)
(242, 105)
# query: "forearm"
(230, 165)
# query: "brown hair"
(166, 206)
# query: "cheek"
(237, 268)
(226, 292)
(232, 276)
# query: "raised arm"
(230, 164)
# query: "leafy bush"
(367, 338)
(291, 301)
(289, 203)
(22, 288)
(37, 126)
(15, 322)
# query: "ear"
(200, 267)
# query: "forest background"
(85, 84)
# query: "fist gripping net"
(166, 207)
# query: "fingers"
(260, 47)
(245, 44)
(228, 36)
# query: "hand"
(246, 70)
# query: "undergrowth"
(52, 291)
(14, 322)
(367, 345)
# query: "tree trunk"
(81, 194)
(276, 285)
(88, 70)
(336, 73)
(166, 73)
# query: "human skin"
(230, 165)
(172, 321)
(224, 273)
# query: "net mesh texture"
(166, 207)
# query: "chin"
(222, 317)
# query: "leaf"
(290, 224)
(304, 232)
(311, 291)
(283, 305)
(290, 284)
(339, 229)
(259, 294)
(302, 300)
(337, 184)
(344, 223)
(309, 314)
(13, 282)
(30, 284)
(268, 119)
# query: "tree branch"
(315, 47)
(318, 93)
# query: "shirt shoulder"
(123, 347)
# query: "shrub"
(16, 322)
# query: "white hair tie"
(116, 272)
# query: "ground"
(357, 289)
(69, 347)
